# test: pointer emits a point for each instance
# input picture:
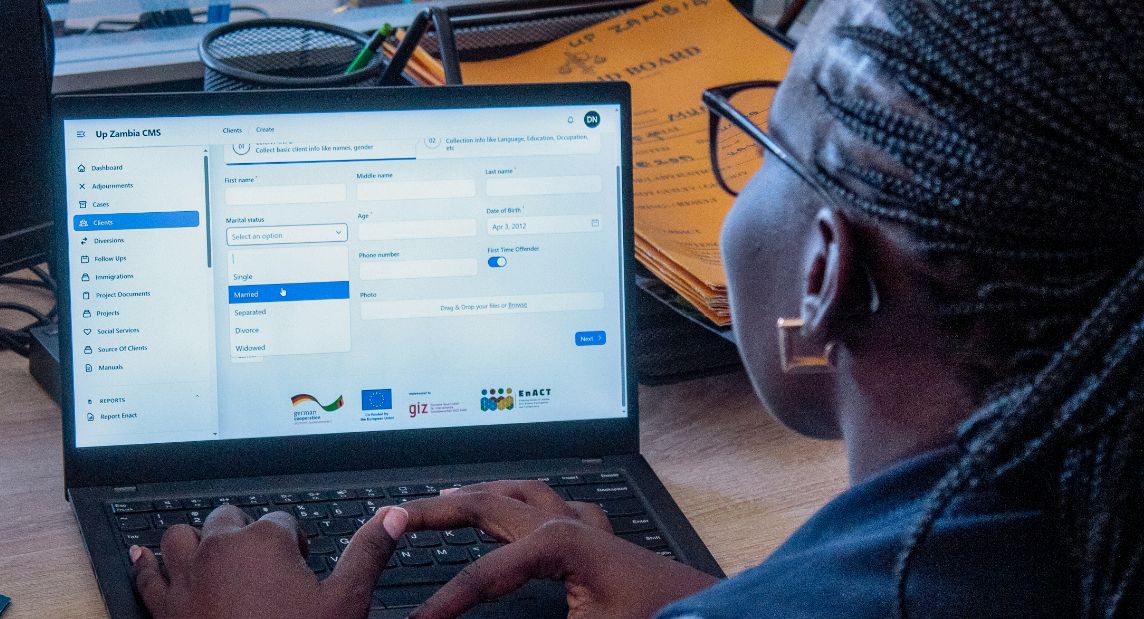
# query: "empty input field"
(482, 306)
(416, 269)
(543, 185)
(281, 235)
(418, 229)
(553, 224)
(286, 194)
(416, 190)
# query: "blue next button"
(591, 338)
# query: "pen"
(370, 48)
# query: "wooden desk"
(744, 481)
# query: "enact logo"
(329, 408)
(496, 399)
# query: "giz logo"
(418, 408)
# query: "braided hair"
(1030, 170)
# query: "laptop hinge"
(120, 489)
(592, 460)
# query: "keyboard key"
(332, 562)
(371, 493)
(168, 504)
(322, 546)
(219, 501)
(667, 553)
(403, 597)
(317, 564)
(131, 507)
(251, 500)
(198, 503)
(258, 512)
(336, 526)
(479, 550)
(133, 522)
(162, 520)
(449, 554)
(413, 490)
(311, 512)
(316, 495)
(423, 539)
(486, 538)
(621, 507)
(310, 528)
(652, 540)
(596, 493)
(150, 538)
(570, 480)
(285, 498)
(155, 551)
(197, 517)
(342, 542)
(413, 557)
(459, 537)
(345, 509)
(372, 505)
(631, 524)
(603, 478)
(342, 495)
(433, 574)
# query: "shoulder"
(995, 553)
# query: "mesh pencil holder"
(283, 53)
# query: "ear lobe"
(829, 277)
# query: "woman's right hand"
(603, 575)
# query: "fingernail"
(395, 521)
(135, 553)
(449, 490)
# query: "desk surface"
(743, 480)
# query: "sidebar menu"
(141, 295)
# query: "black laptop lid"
(281, 282)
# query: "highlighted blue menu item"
(136, 221)
(591, 338)
(279, 293)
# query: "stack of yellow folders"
(669, 51)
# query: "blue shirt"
(995, 553)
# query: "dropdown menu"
(286, 235)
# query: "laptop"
(324, 302)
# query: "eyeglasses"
(739, 141)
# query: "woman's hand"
(604, 576)
(240, 568)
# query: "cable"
(19, 281)
(44, 275)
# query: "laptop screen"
(270, 275)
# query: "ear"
(832, 282)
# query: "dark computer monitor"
(25, 103)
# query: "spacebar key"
(429, 575)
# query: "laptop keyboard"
(423, 560)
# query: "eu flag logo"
(376, 399)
